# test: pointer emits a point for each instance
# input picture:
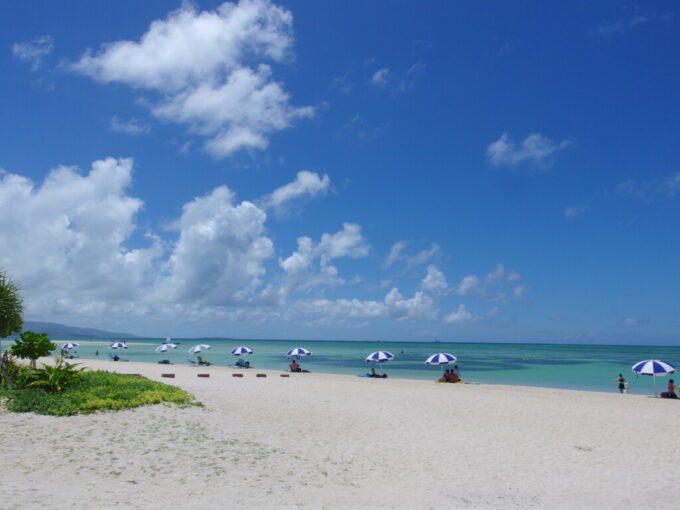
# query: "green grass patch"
(96, 391)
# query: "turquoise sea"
(579, 367)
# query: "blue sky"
(464, 171)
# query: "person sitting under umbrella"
(201, 361)
(242, 363)
(295, 367)
(670, 393)
(449, 376)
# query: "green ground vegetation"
(65, 390)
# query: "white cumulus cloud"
(394, 305)
(380, 76)
(34, 51)
(493, 286)
(460, 316)
(395, 253)
(133, 127)
(435, 281)
(220, 253)
(574, 211)
(422, 257)
(200, 63)
(651, 189)
(306, 184)
(535, 150)
(72, 243)
(309, 266)
(64, 239)
(468, 285)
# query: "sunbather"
(449, 376)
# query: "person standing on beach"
(622, 383)
(671, 389)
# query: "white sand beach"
(316, 441)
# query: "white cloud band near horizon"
(69, 242)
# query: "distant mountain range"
(71, 332)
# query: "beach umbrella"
(241, 350)
(70, 345)
(653, 367)
(165, 347)
(380, 357)
(443, 358)
(298, 351)
(198, 348)
(118, 345)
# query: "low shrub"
(55, 378)
(95, 391)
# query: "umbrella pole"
(654, 377)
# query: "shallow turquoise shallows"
(578, 367)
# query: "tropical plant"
(9, 371)
(56, 378)
(31, 345)
(11, 307)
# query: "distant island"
(55, 330)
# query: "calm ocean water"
(579, 367)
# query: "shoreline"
(106, 363)
(575, 369)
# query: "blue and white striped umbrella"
(442, 358)
(241, 350)
(380, 356)
(298, 351)
(118, 345)
(653, 367)
(70, 345)
(165, 347)
(198, 348)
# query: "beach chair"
(192, 362)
